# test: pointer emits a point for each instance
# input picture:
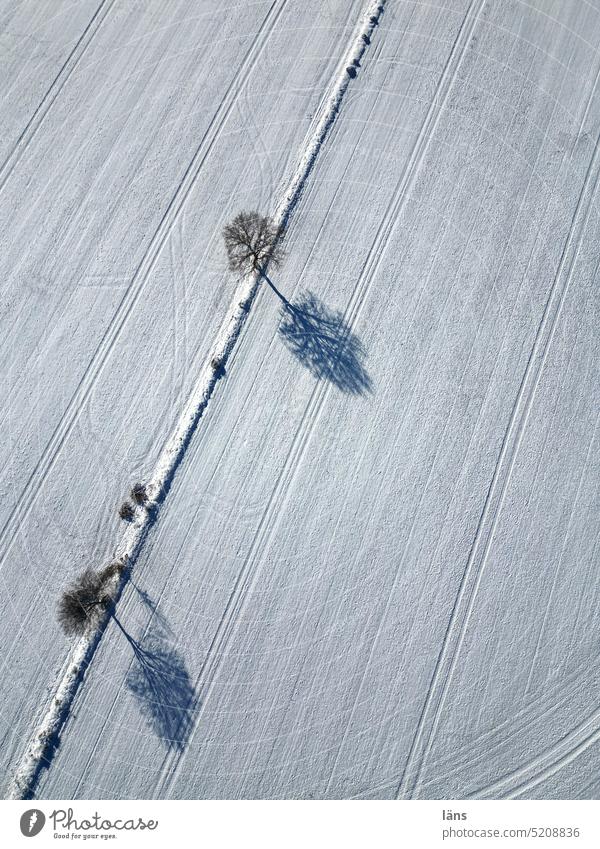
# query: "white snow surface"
(372, 570)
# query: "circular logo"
(32, 822)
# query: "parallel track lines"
(542, 706)
(460, 615)
(37, 476)
(550, 761)
(311, 148)
(249, 572)
(439, 99)
(53, 92)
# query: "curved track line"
(536, 710)
(463, 606)
(551, 761)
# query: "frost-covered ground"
(374, 574)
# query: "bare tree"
(83, 601)
(139, 493)
(127, 511)
(252, 242)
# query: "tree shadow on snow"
(161, 684)
(324, 343)
(149, 602)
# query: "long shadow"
(162, 686)
(324, 343)
(149, 602)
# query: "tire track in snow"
(484, 534)
(552, 760)
(246, 579)
(37, 756)
(439, 99)
(542, 706)
(44, 465)
(53, 92)
(249, 572)
(314, 132)
(568, 748)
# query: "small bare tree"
(252, 242)
(127, 511)
(83, 601)
(139, 493)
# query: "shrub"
(127, 511)
(139, 493)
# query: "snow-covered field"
(373, 574)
